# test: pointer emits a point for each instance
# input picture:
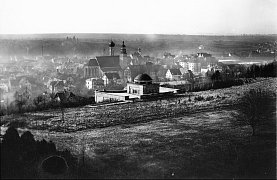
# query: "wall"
(102, 96)
(142, 89)
(135, 87)
(151, 88)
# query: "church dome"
(111, 44)
(142, 79)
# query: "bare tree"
(256, 108)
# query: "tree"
(11, 137)
(216, 76)
(20, 100)
(37, 101)
(22, 97)
(256, 108)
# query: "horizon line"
(181, 34)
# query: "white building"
(173, 74)
(195, 67)
(185, 65)
(94, 83)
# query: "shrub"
(11, 137)
(198, 98)
(208, 98)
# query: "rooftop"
(143, 78)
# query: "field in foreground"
(195, 146)
(199, 145)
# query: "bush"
(199, 98)
(11, 137)
(21, 155)
(208, 98)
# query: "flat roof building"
(142, 88)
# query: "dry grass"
(199, 145)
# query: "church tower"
(123, 49)
(123, 56)
(111, 47)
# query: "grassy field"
(200, 143)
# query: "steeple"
(111, 47)
(123, 48)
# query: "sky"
(215, 17)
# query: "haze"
(138, 17)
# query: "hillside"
(205, 143)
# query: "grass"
(203, 144)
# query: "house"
(173, 74)
(65, 96)
(95, 83)
(204, 55)
(111, 78)
(204, 70)
(183, 71)
(132, 71)
(184, 64)
(149, 68)
(194, 66)
(137, 58)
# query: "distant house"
(173, 74)
(111, 78)
(65, 97)
(136, 58)
(194, 66)
(132, 71)
(184, 64)
(204, 55)
(204, 70)
(149, 68)
(95, 83)
(183, 71)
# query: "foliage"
(208, 98)
(21, 155)
(24, 103)
(199, 98)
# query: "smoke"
(7, 99)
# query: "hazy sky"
(139, 16)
